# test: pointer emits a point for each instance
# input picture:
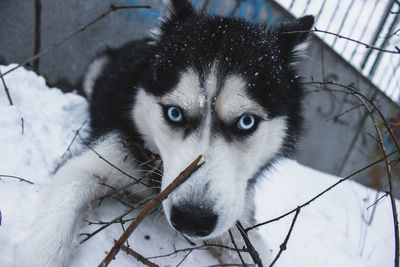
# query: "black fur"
(260, 55)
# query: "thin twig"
(184, 258)
(88, 236)
(6, 89)
(353, 91)
(322, 193)
(250, 248)
(343, 113)
(397, 51)
(16, 177)
(138, 257)
(231, 265)
(73, 139)
(379, 199)
(204, 246)
(150, 206)
(111, 164)
(80, 29)
(283, 246)
(236, 248)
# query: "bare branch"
(80, 29)
(396, 51)
(73, 139)
(6, 89)
(204, 246)
(379, 199)
(184, 258)
(231, 265)
(250, 248)
(150, 206)
(236, 248)
(283, 246)
(88, 236)
(139, 257)
(16, 177)
(112, 165)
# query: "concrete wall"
(338, 146)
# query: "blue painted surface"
(151, 14)
(257, 8)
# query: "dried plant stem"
(236, 248)
(149, 207)
(6, 89)
(139, 181)
(283, 246)
(250, 248)
(139, 257)
(205, 246)
(88, 236)
(15, 177)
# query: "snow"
(332, 231)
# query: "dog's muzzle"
(193, 220)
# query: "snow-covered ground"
(332, 231)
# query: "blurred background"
(339, 137)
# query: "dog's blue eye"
(246, 122)
(175, 114)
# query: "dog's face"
(224, 89)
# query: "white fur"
(94, 70)
(155, 33)
(65, 200)
(301, 52)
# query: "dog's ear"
(173, 11)
(176, 10)
(292, 34)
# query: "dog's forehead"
(226, 97)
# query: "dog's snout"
(193, 220)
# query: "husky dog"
(200, 85)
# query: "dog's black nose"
(192, 220)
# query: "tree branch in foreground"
(139, 257)
(149, 207)
(15, 177)
(205, 246)
(250, 248)
(283, 246)
(236, 247)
